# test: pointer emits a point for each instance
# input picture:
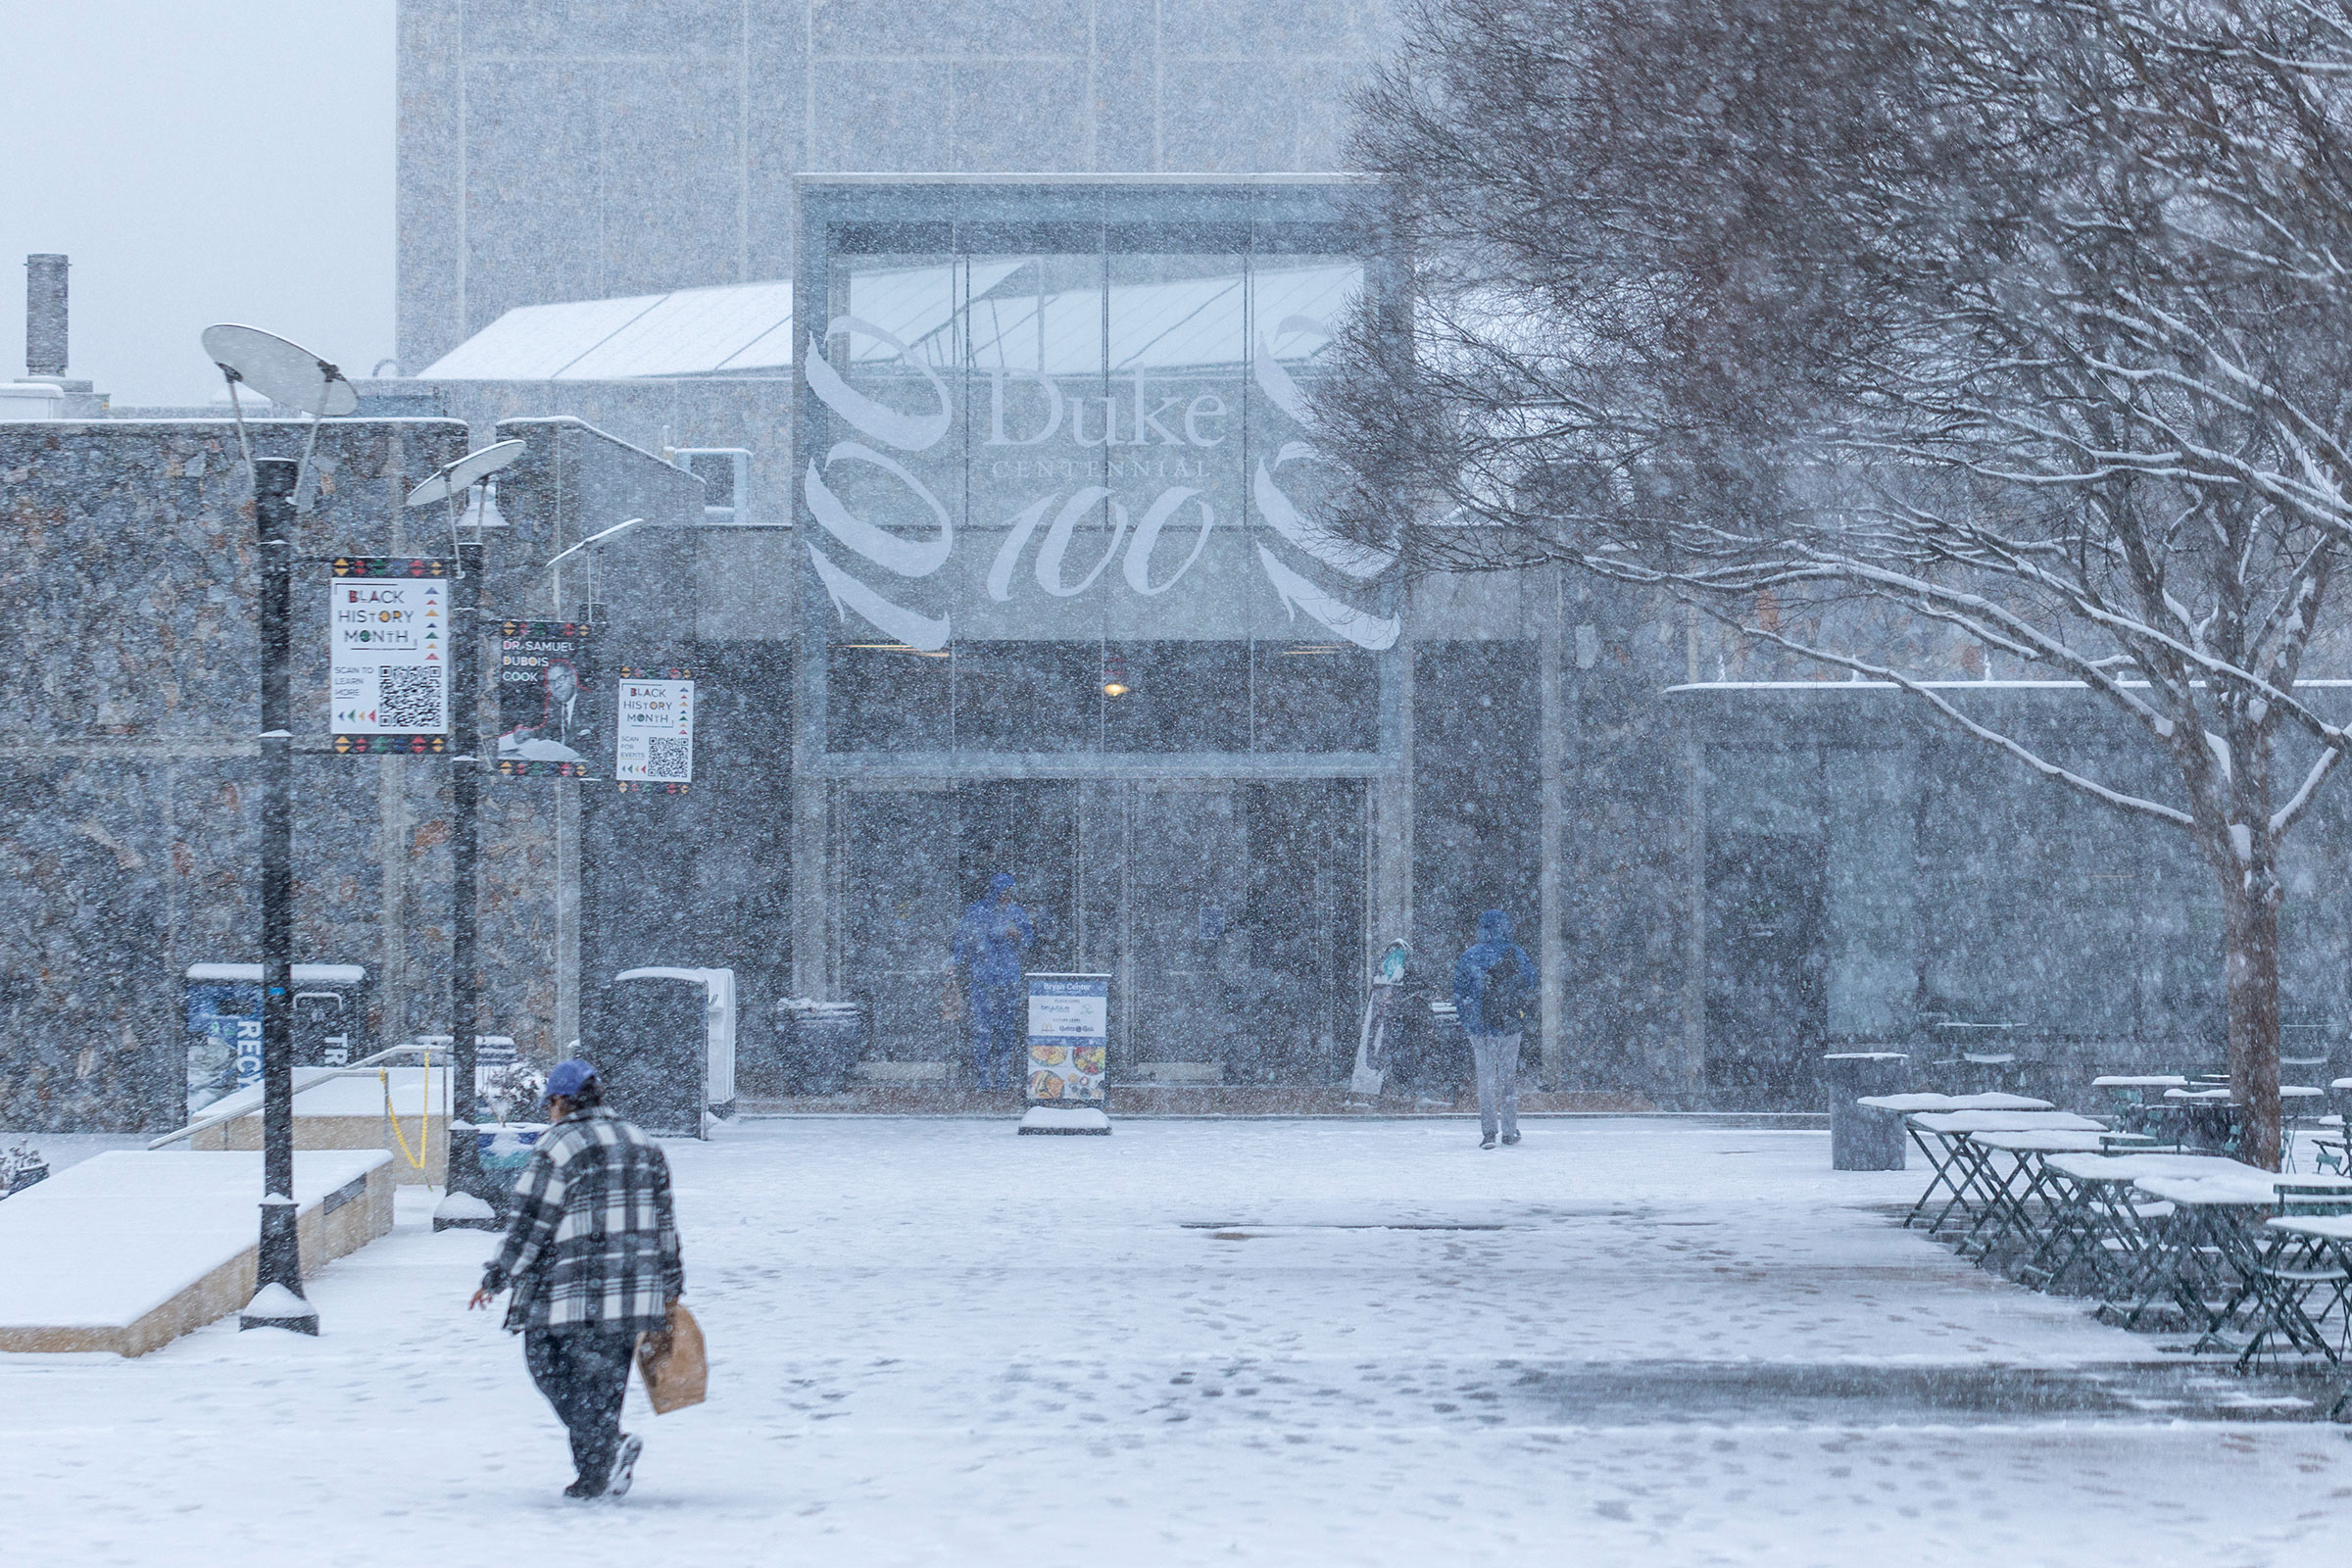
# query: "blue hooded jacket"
(992, 937)
(1470, 974)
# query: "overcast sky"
(200, 161)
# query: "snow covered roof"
(740, 329)
(747, 328)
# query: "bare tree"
(2029, 320)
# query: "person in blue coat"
(990, 942)
(1493, 993)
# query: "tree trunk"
(2250, 957)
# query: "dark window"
(1315, 697)
(1028, 697)
(885, 696)
(1176, 697)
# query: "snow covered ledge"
(131, 1249)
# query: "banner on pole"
(1070, 1037)
(551, 706)
(653, 729)
(388, 654)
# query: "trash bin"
(653, 1052)
(503, 1148)
(817, 1044)
(1864, 1137)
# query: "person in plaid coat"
(592, 1257)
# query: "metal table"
(2091, 1220)
(1952, 1167)
(2010, 1170)
(2206, 1255)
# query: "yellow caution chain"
(424, 1122)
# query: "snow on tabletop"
(2231, 1184)
(2132, 1167)
(2007, 1122)
(119, 1233)
(1927, 1101)
(2161, 1080)
(2041, 1142)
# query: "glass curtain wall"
(1063, 498)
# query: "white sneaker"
(624, 1464)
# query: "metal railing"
(316, 1075)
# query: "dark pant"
(1000, 1020)
(584, 1373)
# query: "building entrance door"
(1028, 828)
(1767, 1006)
(1232, 913)
(1247, 928)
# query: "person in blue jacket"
(990, 941)
(1493, 993)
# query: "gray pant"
(1497, 1058)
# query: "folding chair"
(2297, 1262)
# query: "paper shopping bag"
(672, 1363)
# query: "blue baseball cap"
(565, 1082)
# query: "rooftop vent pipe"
(44, 316)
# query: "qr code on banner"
(408, 698)
(670, 760)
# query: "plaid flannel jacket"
(594, 1242)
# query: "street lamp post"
(292, 377)
(280, 1258)
(588, 902)
(464, 1205)
(464, 1202)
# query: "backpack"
(1504, 997)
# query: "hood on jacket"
(1495, 926)
(1001, 882)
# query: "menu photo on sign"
(388, 654)
(653, 729)
(553, 711)
(1070, 1037)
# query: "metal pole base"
(462, 1212)
(277, 1302)
(274, 1306)
(464, 1202)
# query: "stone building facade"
(127, 807)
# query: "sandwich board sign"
(1069, 1038)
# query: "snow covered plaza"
(650, 627)
(1277, 1341)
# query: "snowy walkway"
(936, 1343)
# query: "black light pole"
(465, 1205)
(292, 377)
(280, 1253)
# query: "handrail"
(318, 1075)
